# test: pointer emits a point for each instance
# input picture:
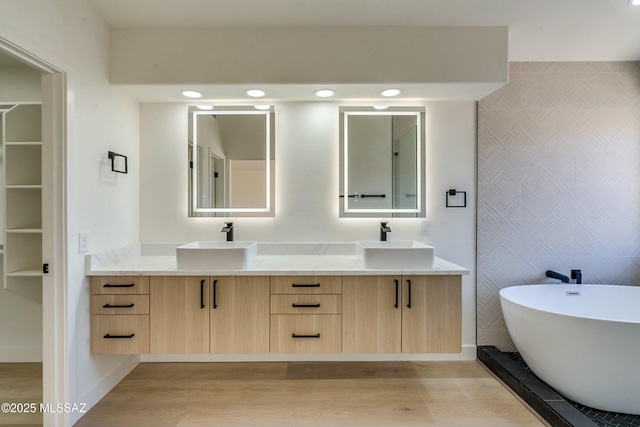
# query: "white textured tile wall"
(558, 181)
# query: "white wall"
(19, 83)
(306, 168)
(299, 55)
(70, 35)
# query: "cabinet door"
(179, 314)
(431, 314)
(239, 315)
(371, 314)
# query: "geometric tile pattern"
(558, 181)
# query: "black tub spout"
(558, 276)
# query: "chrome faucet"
(384, 229)
(228, 228)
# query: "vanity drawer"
(306, 304)
(306, 285)
(120, 304)
(121, 334)
(297, 334)
(115, 285)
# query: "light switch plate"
(83, 242)
(425, 228)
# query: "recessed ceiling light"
(262, 107)
(191, 94)
(204, 107)
(325, 93)
(634, 2)
(390, 92)
(380, 107)
(255, 93)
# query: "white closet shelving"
(22, 159)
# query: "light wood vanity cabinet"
(239, 315)
(120, 315)
(408, 314)
(306, 285)
(306, 304)
(227, 314)
(306, 314)
(278, 314)
(371, 314)
(119, 285)
(432, 314)
(179, 314)
(305, 334)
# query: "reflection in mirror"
(231, 162)
(381, 163)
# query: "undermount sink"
(215, 255)
(395, 255)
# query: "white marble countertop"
(272, 259)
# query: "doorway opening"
(33, 107)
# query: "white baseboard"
(20, 353)
(102, 387)
(469, 352)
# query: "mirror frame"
(419, 209)
(228, 111)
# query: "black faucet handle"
(577, 276)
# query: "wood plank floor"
(21, 383)
(309, 394)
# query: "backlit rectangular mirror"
(231, 162)
(382, 162)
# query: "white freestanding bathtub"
(582, 340)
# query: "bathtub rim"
(504, 291)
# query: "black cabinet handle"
(305, 305)
(305, 336)
(397, 292)
(109, 285)
(201, 294)
(305, 285)
(408, 293)
(117, 306)
(215, 294)
(119, 336)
